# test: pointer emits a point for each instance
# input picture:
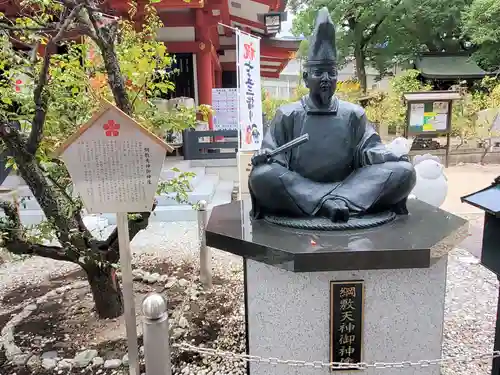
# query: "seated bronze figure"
(344, 170)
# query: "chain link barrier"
(336, 365)
(320, 364)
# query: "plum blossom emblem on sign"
(111, 128)
(18, 85)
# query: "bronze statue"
(344, 170)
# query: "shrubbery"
(388, 109)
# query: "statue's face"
(322, 82)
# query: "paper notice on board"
(417, 114)
(225, 105)
(441, 121)
(440, 107)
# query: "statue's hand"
(335, 210)
(261, 157)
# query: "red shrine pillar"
(205, 77)
(218, 79)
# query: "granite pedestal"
(288, 274)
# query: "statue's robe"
(343, 159)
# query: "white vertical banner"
(249, 92)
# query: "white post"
(195, 79)
(205, 257)
(128, 292)
(156, 337)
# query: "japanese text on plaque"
(346, 321)
(113, 169)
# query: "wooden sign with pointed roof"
(114, 162)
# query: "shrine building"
(205, 51)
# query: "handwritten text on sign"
(250, 96)
(114, 165)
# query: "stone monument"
(339, 265)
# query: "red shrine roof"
(193, 25)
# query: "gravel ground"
(470, 301)
(172, 241)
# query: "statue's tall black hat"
(322, 49)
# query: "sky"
(286, 26)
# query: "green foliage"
(380, 33)
(143, 59)
(388, 109)
(179, 185)
(76, 83)
(349, 90)
(175, 120)
(74, 89)
(385, 109)
(481, 23)
(303, 49)
(474, 114)
(270, 104)
(359, 26)
(408, 82)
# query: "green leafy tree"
(359, 24)
(380, 33)
(481, 22)
(475, 113)
(64, 93)
(464, 112)
(388, 109)
(426, 26)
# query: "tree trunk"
(486, 144)
(359, 55)
(106, 292)
(483, 156)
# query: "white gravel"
(470, 313)
(470, 301)
(172, 241)
(470, 310)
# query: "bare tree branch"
(51, 201)
(11, 213)
(41, 101)
(105, 39)
(34, 20)
(15, 242)
(41, 29)
(135, 225)
(26, 248)
(78, 216)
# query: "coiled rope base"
(324, 224)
